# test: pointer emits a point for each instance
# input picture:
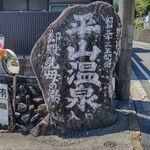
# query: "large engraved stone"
(73, 62)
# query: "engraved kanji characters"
(81, 95)
(51, 67)
(108, 36)
(52, 43)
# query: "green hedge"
(138, 24)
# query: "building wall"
(68, 1)
(39, 5)
(22, 29)
(24, 5)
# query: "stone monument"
(73, 62)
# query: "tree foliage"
(138, 24)
(142, 7)
(116, 6)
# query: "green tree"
(142, 7)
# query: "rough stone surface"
(43, 128)
(27, 99)
(38, 100)
(42, 110)
(35, 118)
(17, 115)
(22, 107)
(25, 118)
(73, 62)
(19, 98)
(31, 108)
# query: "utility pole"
(123, 67)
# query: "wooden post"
(123, 67)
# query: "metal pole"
(14, 93)
(123, 68)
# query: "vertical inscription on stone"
(51, 67)
(108, 46)
(85, 75)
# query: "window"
(58, 7)
(14, 5)
(37, 4)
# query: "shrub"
(138, 24)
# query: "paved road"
(141, 64)
(114, 137)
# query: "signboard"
(4, 112)
(1, 41)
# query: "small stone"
(4, 131)
(22, 107)
(43, 128)
(42, 110)
(28, 99)
(35, 118)
(38, 100)
(25, 118)
(17, 115)
(21, 88)
(31, 108)
(20, 97)
(32, 90)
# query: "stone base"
(102, 118)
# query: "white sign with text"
(4, 112)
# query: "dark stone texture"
(28, 100)
(31, 108)
(26, 118)
(17, 115)
(22, 107)
(73, 62)
(42, 110)
(43, 128)
(20, 98)
(38, 100)
(35, 118)
(21, 88)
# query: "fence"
(22, 29)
